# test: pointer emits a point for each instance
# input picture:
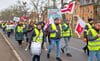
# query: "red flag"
(79, 29)
(24, 18)
(68, 8)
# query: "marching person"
(8, 30)
(36, 36)
(67, 33)
(87, 28)
(29, 28)
(94, 42)
(25, 31)
(4, 26)
(55, 30)
(19, 33)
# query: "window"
(83, 10)
(75, 18)
(83, 18)
(75, 11)
(87, 17)
(88, 9)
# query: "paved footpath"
(6, 53)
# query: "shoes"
(48, 56)
(58, 59)
(68, 54)
(62, 50)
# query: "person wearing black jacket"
(87, 28)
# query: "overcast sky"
(6, 3)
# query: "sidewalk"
(6, 53)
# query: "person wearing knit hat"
(55, 30)
(37, 37)
(67, 33)
(87, 28)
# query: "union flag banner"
(68, 8)
(80, 27)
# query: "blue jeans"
(36, 56)
(58, 42)
(8, 34)
(4, 30)
(67, 40)
(92, 55)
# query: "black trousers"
(86, 48)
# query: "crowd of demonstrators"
(34, 33)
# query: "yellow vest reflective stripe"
(35, 25)
(94, 45)
(68, 32)
(90, 27)
(4, 25)
(23, 26)
(20, 29)
(53, 35)
(40, 38)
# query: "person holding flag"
(67, 33)
(87, 28)
(55, 30)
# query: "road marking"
(14, 51)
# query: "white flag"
(50, 21)
(80, 27)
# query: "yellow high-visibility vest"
(40, 37)
(53, 35)
(20, 29)
(68, 32)
(94, 45)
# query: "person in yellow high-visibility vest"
(94, 42)
(19, 33)
(55, 30)
(37, 37)
(67, 33)
(8, 30)
(87, 28)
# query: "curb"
(14, 51)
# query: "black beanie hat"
(90, 19)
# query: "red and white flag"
(23, 18)
(68, 8)
(80, 27)
(50, 21)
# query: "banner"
(11, 26)
(80, 27)
(54, 13)
(16, 19)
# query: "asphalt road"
(6, 53)
(75, 47)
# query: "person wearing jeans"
(67, 33)
(94, 42)
(55, 31)
(57, 42)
